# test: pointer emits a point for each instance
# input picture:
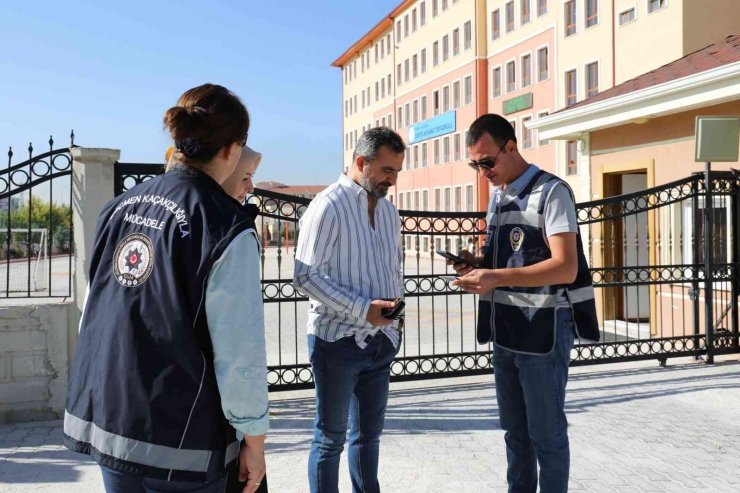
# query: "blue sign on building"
(433, 127)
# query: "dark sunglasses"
(487, 163)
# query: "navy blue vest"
(523, 319)
(142, 396)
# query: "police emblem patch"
(516, 238)
(132, 260)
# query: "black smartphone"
(453, 257)
(396, 311)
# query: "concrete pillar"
(92, 188)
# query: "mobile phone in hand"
(396, 311)
(455, 258)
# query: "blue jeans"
(350, 383)
(530, 390)
(121, 482)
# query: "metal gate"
(648, 261)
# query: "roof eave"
(706, 88)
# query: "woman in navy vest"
(169, 374)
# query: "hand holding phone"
(454, 258)
(395, 312)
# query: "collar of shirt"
(349, 183)
(517, 185)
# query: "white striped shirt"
(343, 264)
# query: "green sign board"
(518, 103)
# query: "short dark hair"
(494, 125)
(372, 140)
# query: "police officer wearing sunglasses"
(535, 297)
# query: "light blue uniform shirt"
(236, 322)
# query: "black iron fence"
(645, 249)
(36, 234)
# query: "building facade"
(430, 67)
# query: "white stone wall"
(34, 359)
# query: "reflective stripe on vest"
(579, 295)
(130, 450)
(525, 300)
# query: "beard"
(375, 189)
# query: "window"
(406, 26)
(571, 95)
(526, 70)
(542, 142)
(435, 53)
(437, 200)
(513, 125)
(541, 7)
(456, 94)
(456, 42)
(413, 20)
(570, 18)
(415, 111)
(467, 35)
(363, 99)
(398, 74)
(407, 113)
(456, 147)
(400, 201)
(445, 99)
(592, 79)
(445, 5)
(458, 199)
(377, 91)
(468, 90)
(382, 87)
(425, 200)
(445, 47)
(469, 198)
(496, 77)
(571, 158)
(389, 84)
(654, 5)
(407, 164)
(424, 154)
(423, 108)
(510, 76)
(524, 11)
(422, 13)
(509, 17)
(400, 116)
(495, 24)
(592, 12)
(416, 156)
(415, 65)
(435, 9)
(388, 44)
(436, 151)
(406, 70)
(447, 199)
(435, 103)
(543, 63)
(390, 120)
(627, 16)
(464, 142)
(446, 150)
(526, 133)
(376, 53)
(423, 61)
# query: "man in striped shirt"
(348, 259)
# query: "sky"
(109, 70)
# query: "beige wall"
(709, 21)
(651, 40)
(668, 141)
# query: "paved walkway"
(633, 427)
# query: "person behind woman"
(163, 375)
